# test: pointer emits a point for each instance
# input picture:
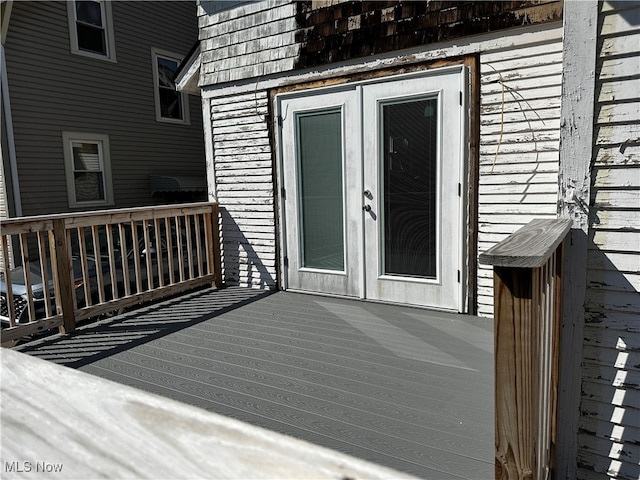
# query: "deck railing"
(81, 265)
(527, 310)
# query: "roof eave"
(188, 73)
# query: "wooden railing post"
(527, 296)
(212, 233)
(515, 372)
(62, 269)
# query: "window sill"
(95, 56)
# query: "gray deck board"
(407, 388)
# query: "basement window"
(88, 169)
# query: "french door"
(372, 177)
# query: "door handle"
(366, 208)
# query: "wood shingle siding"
(519, 145)
(609, 432)
(258, 42)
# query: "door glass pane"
(409, 181)
(319, 136)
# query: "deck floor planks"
(296, 364)
(325, 370)
(320, 391)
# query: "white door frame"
(279, 114)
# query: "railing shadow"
(610, 395)
(237, 250)
(105, 338)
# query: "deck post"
(527, 311)
(514, 375)
(213, 240)
(62, 274)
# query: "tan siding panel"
(54, 91)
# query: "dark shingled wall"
(339, 32)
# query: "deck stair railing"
(81, 265)
(527, 309)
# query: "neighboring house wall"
(609, 425)
(243, 50)
(54, 91)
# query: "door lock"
(368, 194)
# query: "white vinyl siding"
(519, 146)
(88, 169)
(91, 29)
(609, 430)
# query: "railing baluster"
(95, 236)
(112, 263)
(136, 256)
(180, 249)
(7, 278)
(44, 274)
(147, 254)
(86, 280)
(170, 258)
(124, 259)
(197, 220)
(26, 271)
(159, 250)
(70, 270)
(187, 226)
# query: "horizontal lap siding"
(244, 187)
(53, 90)
(609, 435)
(519, 146)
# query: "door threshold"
(370, 300)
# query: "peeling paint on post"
(576, 140)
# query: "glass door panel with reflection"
(409, 176)
(320, 190)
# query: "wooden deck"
(406, 388)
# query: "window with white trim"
(91, 29)
(171, 105)
(88, 169)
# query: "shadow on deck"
(406, 388)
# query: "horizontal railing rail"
(527, 309)
(81, 265)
